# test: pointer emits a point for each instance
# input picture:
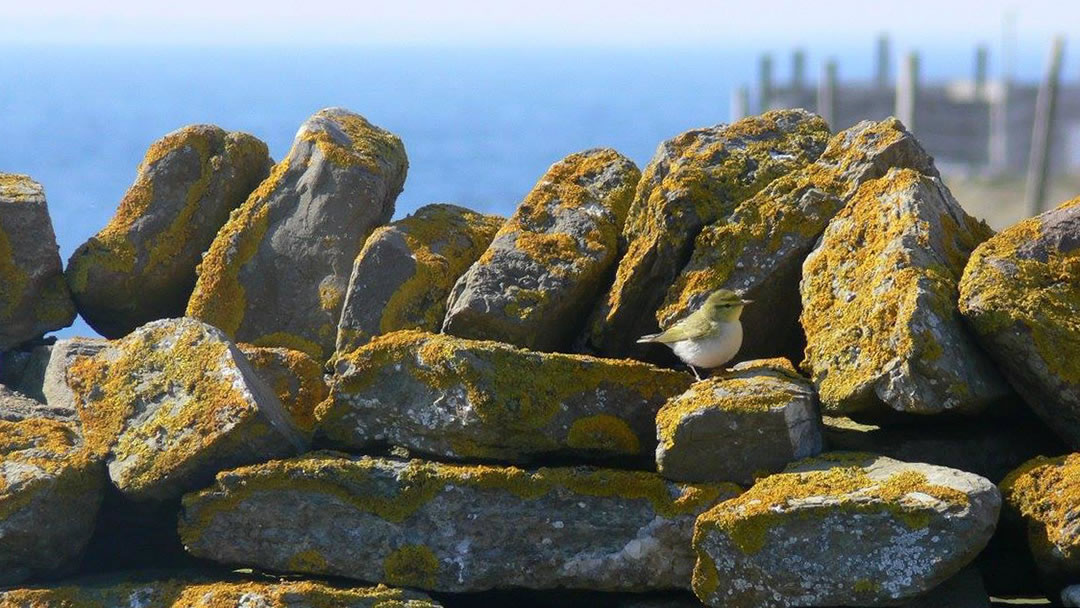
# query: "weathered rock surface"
(50, 490)
(466, 399)
(172, 404)
(693, 180)
(34, 298)
(141, 266)
(57, 381)
(174, 593)
(1021, 294)
(759, 250)
(1070, 597)
(1045, 494)
(843, 529)
(296, 379)
(277, 272)
(450, 527)
(549, 263)
(405, 272)
(15, 406)
(23, 370)
(879, 305)
(738, 425)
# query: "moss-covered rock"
(172, 404)
(465, 399)
(296, 379)
(1044, 494)
(451, 527)
(736, 426)
(201, 593)
(547, 265)
(693, 180)
(50, 490)
(34, 298)
(405, 272)
(844, 529)
(141, 266)
(277, 272)
(1021, 294)
(879, 304)
(758, 251)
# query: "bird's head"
(724, 305)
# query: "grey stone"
(15, 406)
(24, 370)
(1070, 597)
(56, 383)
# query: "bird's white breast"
(713, 351)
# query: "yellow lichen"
(13, 279)
(296, 378)
(309, 560)
(36, 451)
(283, 339)
(1046, 493)
(364, 145)
(411, 566)
(18, 188)
(603, 432)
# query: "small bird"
(708, 337)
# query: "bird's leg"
(696, 375)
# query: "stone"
(141, 265)
(843, 529)
(405, 272)
(453, 398)
(693, 180)
(23, 370)
(758, 251)
(1044, 495)
(15, 406)
(739, 425)
(879, 305)
(50, 490)
(296, 379)
(56, 383)
(989, 447)
(451, 528)
(1021, 295)
(277, 272)
(552, 259)
(201, 593)
(172, 404)
(1070, 597)
(34, 298)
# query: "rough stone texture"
(753, 420)
(464, 399)
(552, 259)
(693, 180)
(172, 404)
(1070, 597)
(844, 529)
(991, 448)
(24, 370)
(34, 298)
(15, 406)
(1045, 494)
(879, 304)
(56, 383)
(277, 272)
(759, 250)
(296, 379)
(965, 590)
(405, 272)
(1021, 294)
(141, 266)
(451, 527)
(50, 490)
(179, 593)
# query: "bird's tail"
(649, 338)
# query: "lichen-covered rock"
(198, 593)
(693, 180)
(759, 250)
(451, 527)
(844, 529)
(277, 272)
(1021, 294)
(405, 272)
(1045, 494)
(141, 266)
(463, 399)
(172, 404)
(56, 384)
(735, 426)
(547, 265)
(296, 379)
(879, 304)
(50, 490)
(34, 297)
(23, 370)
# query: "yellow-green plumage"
(708, 337)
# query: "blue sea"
(480, 126)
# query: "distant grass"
(1000, 200)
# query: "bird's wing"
(689, 328)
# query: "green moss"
(13, 279)
(412, 566)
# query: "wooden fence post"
(826, 94)
(907, 91)
(1042, 131)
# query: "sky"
(479, 23)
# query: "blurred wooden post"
(981, 60)
(826, 94)
(881, 71)
(1043, 130)
(798, 70)
(740, 103)
(907, 90)
(765, 82)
